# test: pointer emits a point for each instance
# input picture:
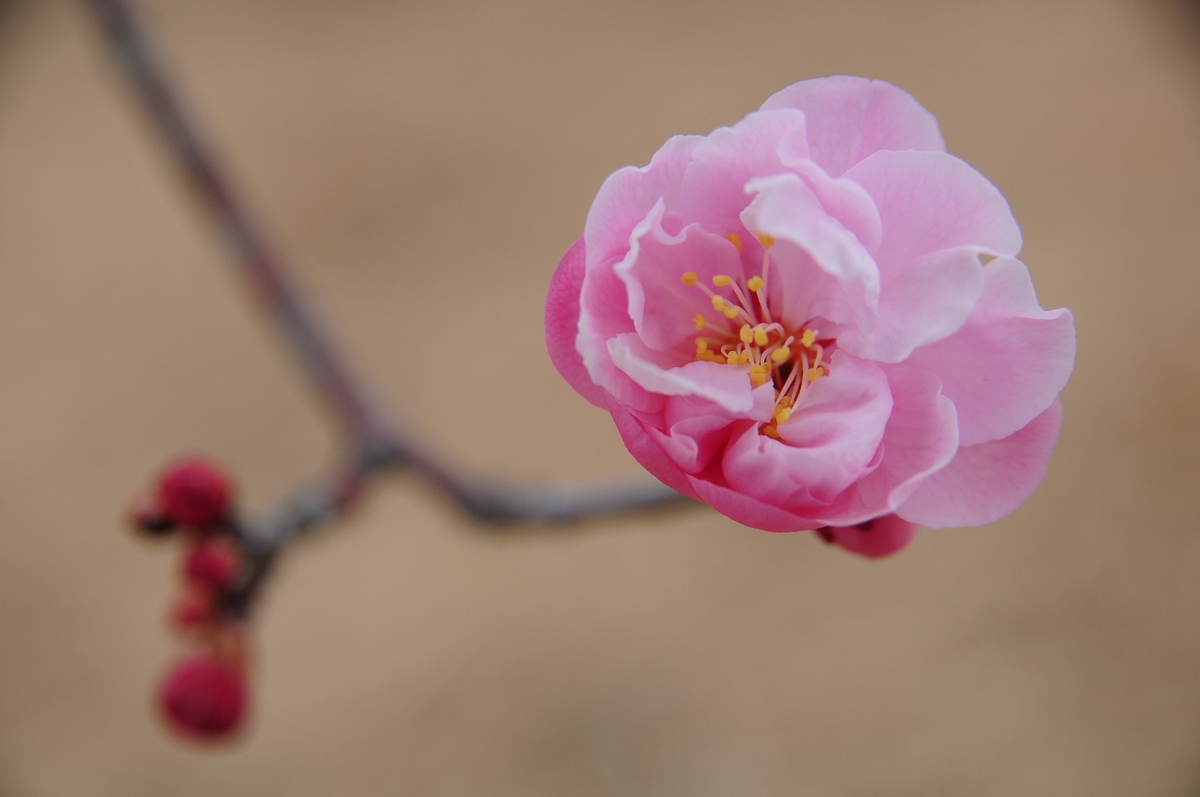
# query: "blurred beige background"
(426, 163)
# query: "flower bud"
(194, 609)
(204, 697)
(212, 563)
(195, 493)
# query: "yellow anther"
(689, 278)
(718, 303)
(782, 414)
(781, 354)
(721, 280)
(744, 358)
(755, 283)
(786, 401)
(700, 321)
(701, 345)
(766, 240)
(815, 373)
(732, 358)
(746, 333)
(730, 312)
(808, 337)
(771, 431)
(735, 239)
(760, 336)
(757, 378)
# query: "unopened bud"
(204, 697)
(213, 563)
(195, 493)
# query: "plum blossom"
(815, 319)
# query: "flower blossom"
(815, 319)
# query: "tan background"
(426, 163)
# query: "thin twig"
(374, 444)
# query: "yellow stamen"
(701, 321)
(744, 358)
(746, 333)
(766, 240)
(718, 303)
(781, 354)
(755, 283)
(758, 376)
(771, 431)
(721, 280)
(732, 358)
(782, 414)
(815, 373)
(760, 336)
(786, 401)
(808, 337)
(731, 312)
(701, 345)
(735, 239)
(689, 278)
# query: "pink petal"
(821, 269)
(628, 194)
(986, 481)
(663, 309)
(698, 429)
(873, 539)
(848, 118)
(604, 315)
(920, 439)
(920, 303)
(747, 510)
(930, 201)
(713, 190)
(562, 324)
(844, 200)
(670, 374)
(829, 442)
(648, 453)
(1008, 362)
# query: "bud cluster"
(204, 695)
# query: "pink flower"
(791, 319)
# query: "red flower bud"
(204, 697)
(193, 609)
(194, 492)
(213, 563)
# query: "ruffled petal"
(628, 194)
(698, 429)
(920, 303)
(562, 324)
(1008, 362)
(713, 190)
(920, 439)
(819, 267)
(849, 118)
(663, 374)
(663, 309)
(874, 539)
(844, 200)
(603, 315)
(828, 444)
(986, 481)
(648, 453)
(747, 510)
(930, 201)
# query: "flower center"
(746, 336)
